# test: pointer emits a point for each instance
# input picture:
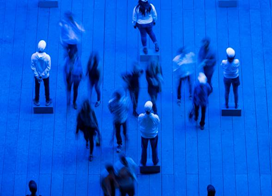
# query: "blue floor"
(232, 153)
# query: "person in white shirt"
(41, 65)
(144, 17)
(149, 127)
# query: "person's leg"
(69, 88)
(154, 144)
(189, 78)
(179, 88)
(125, 129)
(203, 115)
(98, 91)
(76, 84)
(143, 34)
(227, 84)
(118, 133)
(154, 96)
(149, 30)
(91, 140)
(196, 112)
(235, 85)
(131, 191)
(122, 192)
(144, 142)
(46, 88)
(37, 90)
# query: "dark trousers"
(203, 114)
(134, 95)
(75, 83)
(127, 191)
(97, 90)
(235, 82)
(144, 30)
(89, 134)
(188, 78)
(46, 88)
(154, 144)
(118, 131)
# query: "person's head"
(202, 78)
(69, 16)
(144, 6)
(123, 160)
(86, 107)
(211, 190)
(230, 54)
(32, 187)
(72, 52)
(118, 94)
(41, 46)
(110, 168)
(206, 42)
(148, 107)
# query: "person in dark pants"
(73, 72)
(231, 76)
(109, 181)
(41, 65)
(202, 91)
(149, 127)
(211, 190)
(144, 17)
(154, 80)
(133, 85)
(207, 60)
(119, 107)
(87, 122)
(95, 75)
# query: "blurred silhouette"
(32, 188)
(211, 190)
(109, 181)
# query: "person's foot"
(75, 106)
(37, 103)
(97, 143)
(119, 148)
(226, 105)
(97, 103)
(135, 114)
(236, 106)
(179, 102)
(156, 163)
(157, 47)
(195, 118)
(91, 158)
(87, 146)
(202, 127)
(142, 164)
(48, 102)
(145, 50)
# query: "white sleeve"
(33, 66)
(153, 12)
(134, 16)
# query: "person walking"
(207, 60)
(109, 181)
(119, 107)
(87, 122)
(149, 128)
(41, 65)
(183, 69)
(73, 72)
(154, 80)
(94, 72)
(230, 68)
(144, 18)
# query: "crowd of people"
(122, 175)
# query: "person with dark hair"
(207, 60)
(95, 75)
(202, 91)
(231, 76)
(144, 17)
(70, 32)
(149, 128)
(211, 190)
(154, 80)
(183, 69)
(87, 122)
(73, 73)
(32, 188)
(119, 107)
(133, 85)
(109, 181)
(41, 65)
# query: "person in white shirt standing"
(144, 17)
(149, 127)
(41, 65)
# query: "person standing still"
(41, 65)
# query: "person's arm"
(48, 67)
(33, 66)
(154, 13)
(134, 17)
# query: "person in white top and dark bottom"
(231, 76)
(144, 17)
(149, 126)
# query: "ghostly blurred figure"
(88, 124)
(154, 80)
(183, 69)
(109, 181)
(119, 106)
(207, 60)
(133, 85)
(211, 190)
(94, 72)
(70, 32)
(73, 74)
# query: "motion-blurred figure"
(133, 85)
(119, 106)
(149, 128)
(154, 80)
(94, 72)
(109, 181)
(41, 65)
(73, 74)
(183, 69)
(70, 32)
(211, 190)
(231, 76)
(207, 60)
(88, 124)
(144, 17)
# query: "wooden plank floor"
(232, 153)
